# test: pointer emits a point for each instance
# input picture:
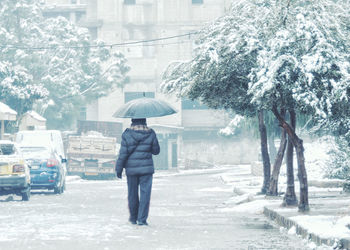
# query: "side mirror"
(63, 160)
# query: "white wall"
(224, 151)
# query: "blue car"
(47, 168)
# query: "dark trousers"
(139, 206)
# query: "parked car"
(14, 171)
(47, 168)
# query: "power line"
(160, 44)
(142, 42)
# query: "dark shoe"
(140, 223)
(132, 222)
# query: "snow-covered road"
(187, 212)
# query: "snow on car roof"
(33, 136)
(38, 131)
(7, 142)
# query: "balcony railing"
(65, 8)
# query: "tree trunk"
(273, 188)
(272, 147)
(264, 152)
(298, 144)
(302, 176)
(290, 198)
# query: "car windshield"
(34, 138)
(7, 149)
(36, 152)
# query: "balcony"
(138, 14)
(61, 8)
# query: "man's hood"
(139, 135)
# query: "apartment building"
(152, 34)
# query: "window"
(149, 51)
(189, 104)
(82, 113)
(129, 2)
(79, 16)
(7, 149)
(128, 96)
(197, 1)
(93, 33)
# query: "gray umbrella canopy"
(143, 108)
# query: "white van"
(48, 138)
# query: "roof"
(36, 116)
(6, 113)
(166, 128)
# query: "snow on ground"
(215, 189)
(245, 198)
(325, 226)
(245, 188)
(316, 158)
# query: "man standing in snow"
(138, 144)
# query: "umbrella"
(143, 108)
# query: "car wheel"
(26, 194)
(57, 190)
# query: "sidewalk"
(327, 222)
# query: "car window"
(7, 149)
(36, 152)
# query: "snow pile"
(292, 230)
(253, 207)
(237, 200)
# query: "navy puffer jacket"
(141, 144)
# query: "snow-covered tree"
(295, 55)
(17, 88)
(219, 73)
(305, 66)
(214, 77)
(60, 57)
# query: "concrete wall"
(221, 151)
(204, 118)
(28, 122)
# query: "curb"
(288, 223)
